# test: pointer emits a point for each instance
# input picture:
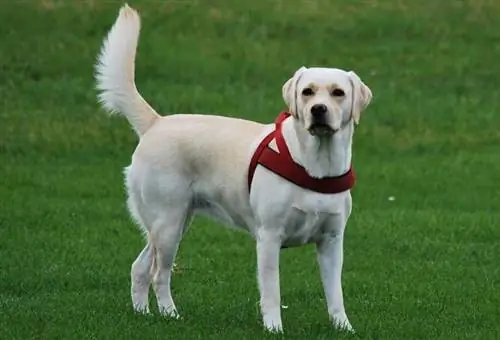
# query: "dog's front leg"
(330, 258)
(268, 252)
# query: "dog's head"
(323, 99)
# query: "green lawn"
(423, 266)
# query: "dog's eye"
(338, 93)
(307, 92)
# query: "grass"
(424, 266)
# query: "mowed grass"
(422, 266)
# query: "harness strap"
(282, 164)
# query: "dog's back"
(202, 156)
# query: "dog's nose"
(318, 110)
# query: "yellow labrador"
(188, 163)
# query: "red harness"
(282, 164)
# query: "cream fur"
(188, 163)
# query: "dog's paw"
(273, 326)
(141, 308)
(341, 322)
(274, 329)
(170, 312)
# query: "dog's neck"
(320, 156)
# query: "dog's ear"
(289, 91)
(361, 96)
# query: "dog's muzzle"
(319, 125)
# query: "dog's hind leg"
(140, 273)
(141, 278)
(166, 234)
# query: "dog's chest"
(311, 217)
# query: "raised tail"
(115, 73)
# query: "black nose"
(318, 110)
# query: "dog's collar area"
(282, 164)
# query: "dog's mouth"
(320, 129)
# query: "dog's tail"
(115, 73)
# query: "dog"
(190, 163)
